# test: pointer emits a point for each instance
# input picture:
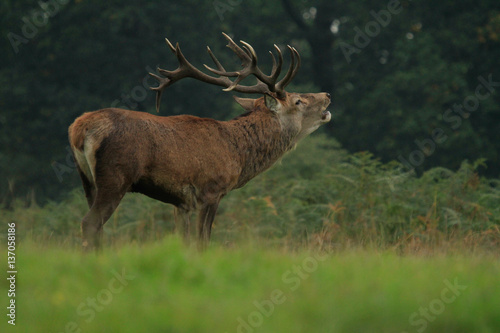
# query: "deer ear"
(246, 103)
(272, 103)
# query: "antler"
(265, 84)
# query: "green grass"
(174, 288)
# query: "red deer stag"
(187, 161)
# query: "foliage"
(88, 55)
(318, 195)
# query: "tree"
(393, 78)
(315, 26)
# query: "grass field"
(166, 286)
(325, 242)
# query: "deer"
(187, 161)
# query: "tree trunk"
(320, 39)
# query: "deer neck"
(260, 140)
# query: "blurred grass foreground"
(165, 286)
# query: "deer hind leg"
(104, 205)
(85, 175)
(205, 221)
(88, 187)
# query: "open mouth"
(326, 116)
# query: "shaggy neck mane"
(260, 139)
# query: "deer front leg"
(182, 221)
(205, 220)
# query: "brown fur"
(187, 161)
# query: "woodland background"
(402, 74)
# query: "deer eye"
(298, 102)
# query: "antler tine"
(250, 51)
(249, 64)
(275, 72)
(250, 67)
(170, 46)
(292, 70)
(220, 69)
(249, 58)
(235, 83)
(299, 61)
(215, 60)
(269, 80)
(274, 62)
(247, 51)
(163, 83)
(170, 76)
(180, 57)
(222, 72)
(218, 64)
(236, 49)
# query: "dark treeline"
(413, 81)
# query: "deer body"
(186, 161)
